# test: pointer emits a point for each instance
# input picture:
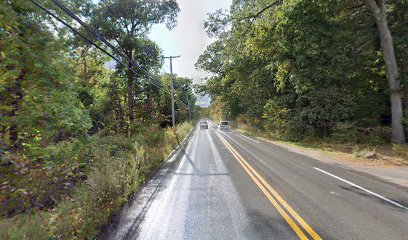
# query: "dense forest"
(301, 69)
(78, 130)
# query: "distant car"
(204, 125)
(224, 125)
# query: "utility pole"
(189, 110)
(188, 102)
(173, 116)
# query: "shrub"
(115, 167)
(109, 184)
(400, 149)
(171, 139)
(241, 120)
(350, 133)
(367, 153)
(183, 130)
(152, 136)
(24, 226)
(345, 133)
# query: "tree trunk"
(131, 79)
(130, 96)
(379, 12)
(17, 91)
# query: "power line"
(116, 15)
(84, 37)
(166, 65)
(98, 36)
(93, 43)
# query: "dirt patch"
(382, 156)
(376, 156)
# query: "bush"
(375, 135)
(106, 189)
(112, 179)
(367, 153)
(183, 130)
(345, 133)
(400, 149)
(350, 133)
(25, 226)
(115, 168)
(241, 120)
(152, 136)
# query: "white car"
(203, 125)
(223, 125)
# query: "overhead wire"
(84, 37)
(98, 36)
(114, 14)
(93, 43)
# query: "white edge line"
(246, 137)
(364, 189)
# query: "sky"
(188, 39)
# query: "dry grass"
(387, 156)
(118, 166)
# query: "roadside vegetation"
(77, 196)
(312, 72)
(79, 135)
(379, 154)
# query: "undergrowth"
(112, 168)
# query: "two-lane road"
(230, 186)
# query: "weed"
(400, 149)
(367, 153)
(115, 167)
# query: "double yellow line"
(273, 196)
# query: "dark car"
(204, 125)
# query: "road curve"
(230, 186)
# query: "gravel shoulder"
(378, 168)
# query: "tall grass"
(183, 130)
(119, 166)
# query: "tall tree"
(316, 61)
(126, 24)
(379, 11)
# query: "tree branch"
(259, 13)
(354, 7)
(256, 15)
(373, 4)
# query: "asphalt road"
(229, 186)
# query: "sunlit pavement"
(229, 186)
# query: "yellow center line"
(248, 168)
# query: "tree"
(183, 98)
(378, 9)
(316, 61)
(39, 99)
(126, 23)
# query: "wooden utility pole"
(173, 116)
(189, 110)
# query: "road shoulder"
(393, 174)
(132, 213)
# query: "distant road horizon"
(203, 101)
